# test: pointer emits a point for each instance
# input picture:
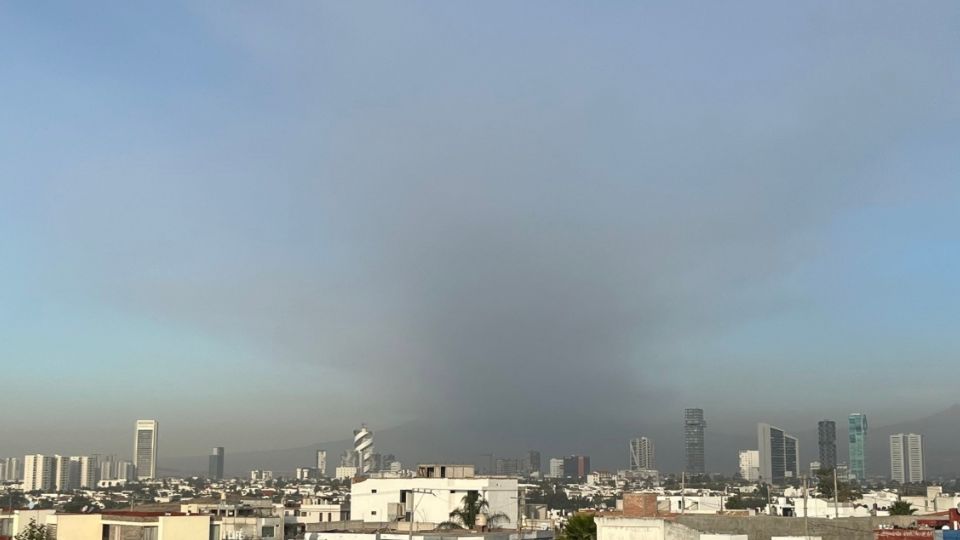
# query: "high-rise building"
(906, 458)
(68, 473)
(534, 466)
(126, 470)
(858, 444)
(576, 466)
(642, 454)
(39, 472)
(507, 467)
(750, 465)
(145, 449)
(363, 448)
(693, 438)
(779, 454)
(108, 467)
(827, 440)
(215, 465)
(322, 463)
(89, 471)
(11, 469)
(556, 467)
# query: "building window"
(150, 533)
(266, 532)
(373, 491)
(373, 512)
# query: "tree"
(473, 505)
(580, 527)
(33, 532)
(77, 504)
(847, 491)
(902, 508)
(739, 502)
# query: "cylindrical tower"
(363, 448)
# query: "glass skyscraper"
(858, 439)
(827, 437)
(694, 427)
(215, 469)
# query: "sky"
(265, 223)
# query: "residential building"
(68, 473)
(391, 499)
(779, 454)
(641, 454)
(114, 525)
(258, 475)
(827, 442)
(14, 522)
(215, 465)
(694, 427)
(556, 467)
(906, 458)
(857, 432)
(344, 473)
(11, 469)
(145, 449)
(750, 465)
(126, 471)
(39, 472)
(89, 471)
(322, 463)
(306, 473)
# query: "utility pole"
(806, 522)
(520, 513)
(413, 509)
(683, 492)
(836, 508)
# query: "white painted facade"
(622, 528)
(556, 468)
(391, 499)
(750, 465)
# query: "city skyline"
(428, 212)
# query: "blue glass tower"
(858, 439)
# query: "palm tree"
(902, 508)
(471, 506)
(580, 527)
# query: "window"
(150, 533)
(373, 512)
(266, 532)
(373, 491)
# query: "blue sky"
(254, 212)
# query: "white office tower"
(906, 457)
(39, 472)
(750, 465)
(145, 449)
(363, 448)
(322, 463)
(641, 454)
